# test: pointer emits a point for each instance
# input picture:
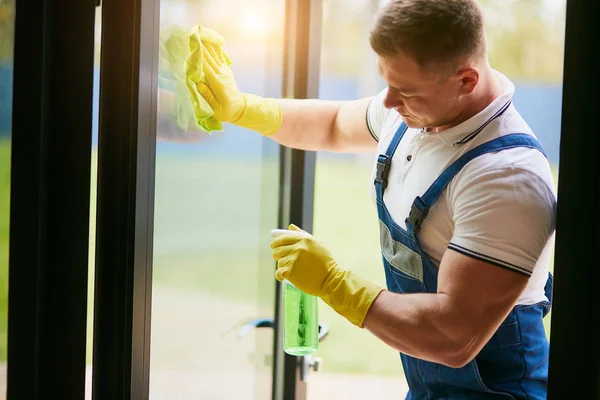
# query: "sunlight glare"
(255, 23)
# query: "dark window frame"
(125, 205)
(575, 328)
(50, 199)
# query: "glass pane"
(357, 365)
(216, 201)
(7, 18)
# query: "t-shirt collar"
(469, 129)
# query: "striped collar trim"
(469, 129)
(472, 135)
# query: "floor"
(176, 385)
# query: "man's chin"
(412, 123)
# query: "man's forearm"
(335, 126)
(421, 325)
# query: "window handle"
(255, 323)
(268, 323)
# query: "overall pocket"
(403, 266)
(496, 370)
(467, 383)
(484, 387)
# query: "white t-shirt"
(499, 208)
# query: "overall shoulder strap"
(384, 161)
(422, 204)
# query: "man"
(465, 197)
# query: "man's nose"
(391, 101)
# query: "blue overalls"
(514, 363)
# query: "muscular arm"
(451, 326)
(325, 125)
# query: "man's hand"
(210, 79)
(302, 260)
(309, 265)
(221, 91)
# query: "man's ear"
(468, 77)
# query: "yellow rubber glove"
(211, 79)
(309, 265)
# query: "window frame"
(50, 198)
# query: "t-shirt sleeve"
(504, 217)
(376, 114)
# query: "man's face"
(423, 99)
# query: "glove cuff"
(259, 114)
(349, 295)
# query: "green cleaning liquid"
(301, 321)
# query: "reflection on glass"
(216, 202)
(93, 187)
(356, 365)
(7, 16)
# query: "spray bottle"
(300, 316)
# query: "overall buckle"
(384, 163)
(418, 213)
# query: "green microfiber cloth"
(181, 54)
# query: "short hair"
(430, 32)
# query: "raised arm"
(303, 124)
(325, 125)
